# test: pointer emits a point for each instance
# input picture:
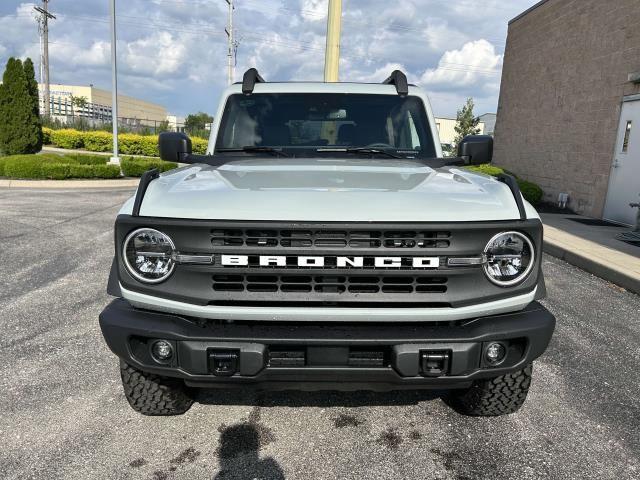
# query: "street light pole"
(115, 159)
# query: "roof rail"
(249, 80)
(398, 79)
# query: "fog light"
(162, 350)
(495, 353)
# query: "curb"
(69, 184)
(606, 263)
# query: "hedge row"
(135, 167)
(530, 191)
(60, 167)
(100, 141)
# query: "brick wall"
(565, 73)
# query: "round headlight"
(148, 255)
(510, 258)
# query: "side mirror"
(174, 147)
(476, 149)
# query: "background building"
(446, 129)
(569, 109)
(489, 121)
(96, 105)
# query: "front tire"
(151, 394)
(493, 397)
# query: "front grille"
(339, 239)
(349, 272)
(329, 284)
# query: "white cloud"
(314, 10)
(473, 64)
(174, 53)
(158, 54)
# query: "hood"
(327, 190)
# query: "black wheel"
(497, 396)
(151, 394)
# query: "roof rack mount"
(398, 79)
(249, 80)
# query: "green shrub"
(199, 145)
(81, 171)
(55, 171)
(20, 124)
(67, 138)
(131, 144)
(23, 166)
(106, 171)
(530, 191)
(46, 135)
(82, 159)
(57, 167)
(135, 167)
(98, 141)
(487, 169)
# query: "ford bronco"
(324, 243)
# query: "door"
(624, 183)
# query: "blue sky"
(173, 52)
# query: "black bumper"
(326, 357)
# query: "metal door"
(624, 183)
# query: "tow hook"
(223, 363)
(435, 363)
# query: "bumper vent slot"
(329, 284)
(328, 239)
(287, 357)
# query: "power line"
(43, 27)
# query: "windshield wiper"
(359, 151)
(255, 149)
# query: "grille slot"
(329, 284)
(329, 239)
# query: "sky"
(174, 52)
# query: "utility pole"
(114, 85)
(43, 22)
(332, 52)
(232, 44)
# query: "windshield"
(314, 123)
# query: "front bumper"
(307, 356)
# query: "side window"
(627, 136)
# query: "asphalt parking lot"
(63, 413)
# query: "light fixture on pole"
(115, 159)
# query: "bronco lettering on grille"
(321, 262)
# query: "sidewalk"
(593, 248)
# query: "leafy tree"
(79, 102)
(466, 122)
(20, 124)
(197, 121)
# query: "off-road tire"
(493, 397)
(151, 394)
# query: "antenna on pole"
(232, 46)
(43, 27)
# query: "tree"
(79, 102)
(197, 121)
(466, 122)
(20, 124)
